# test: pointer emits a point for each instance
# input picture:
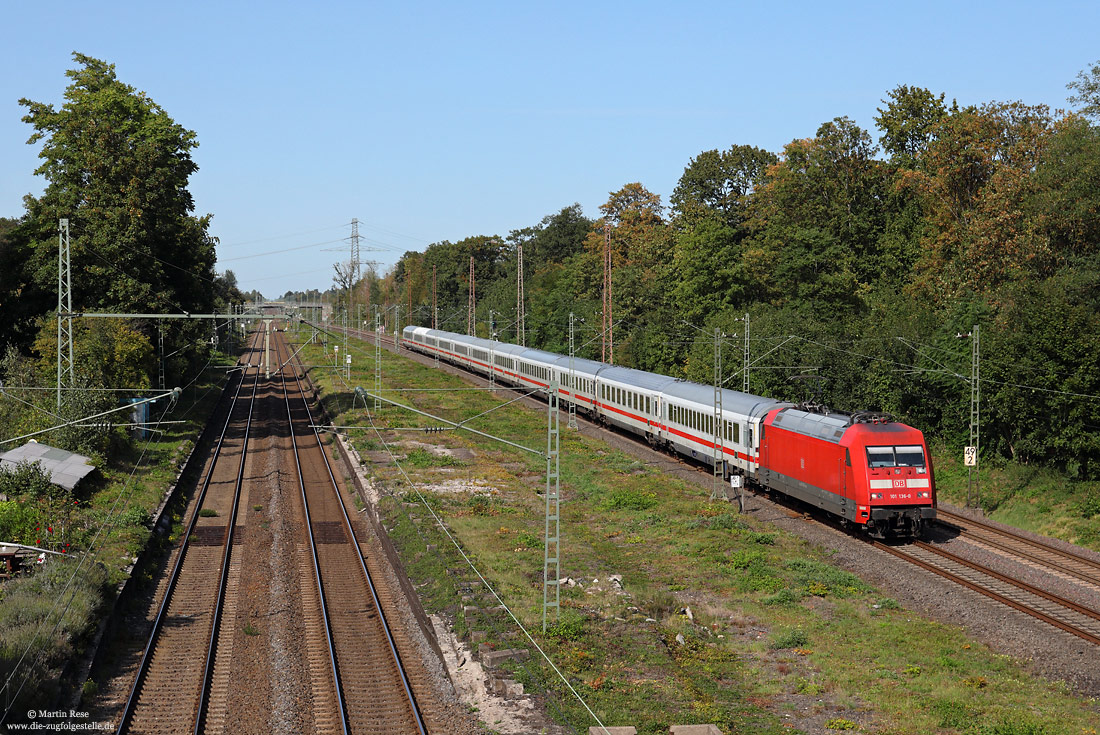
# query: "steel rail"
(162, 611)
(339, 690)
(414, 706)
(961, 522)
(215, 622)
(1069, 604)
(992, 594)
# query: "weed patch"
(794, 638)
(630, 499)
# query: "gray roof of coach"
(507, 348)
(581, 365)
(540, 356)
(503, 348)
(638, 378)
(830, 427)
(732, 400)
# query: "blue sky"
(436, 121)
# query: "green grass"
(776, 627)
(1037, 499)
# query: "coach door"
(847, 479)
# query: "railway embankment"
(676, 609)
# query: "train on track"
(863, 468)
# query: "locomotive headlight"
(924, 495)
(876, 496)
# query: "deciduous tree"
(117, 167)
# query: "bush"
(744, 559)
(137, 517)
(764, 539)
(28, 479)
(529, 540)
(784, 598)
(1090, 506)
(569, 628)
(823, 579)
(795, 638)
(482, 505)
(423, 458)
(630, 499)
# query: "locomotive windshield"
(905, 456)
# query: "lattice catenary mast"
(473, 302)
(608, 351)
(521, 321)
(64, 306)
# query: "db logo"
(899, 483)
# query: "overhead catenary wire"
(175, 392)
(992, 381)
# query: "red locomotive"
(865, 468)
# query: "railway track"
(171, 689)
(1057, 611)
(372, 690)
(1060, 561)
(186, 681)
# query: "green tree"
(117, 167)
(1046, 337)
(1087, 86)
(908, 122)
(817, 219)
(717, 184)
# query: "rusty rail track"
(1052, 609)
(371, 685)
(189, 613)
(1036, 552)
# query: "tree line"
(863, 265)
